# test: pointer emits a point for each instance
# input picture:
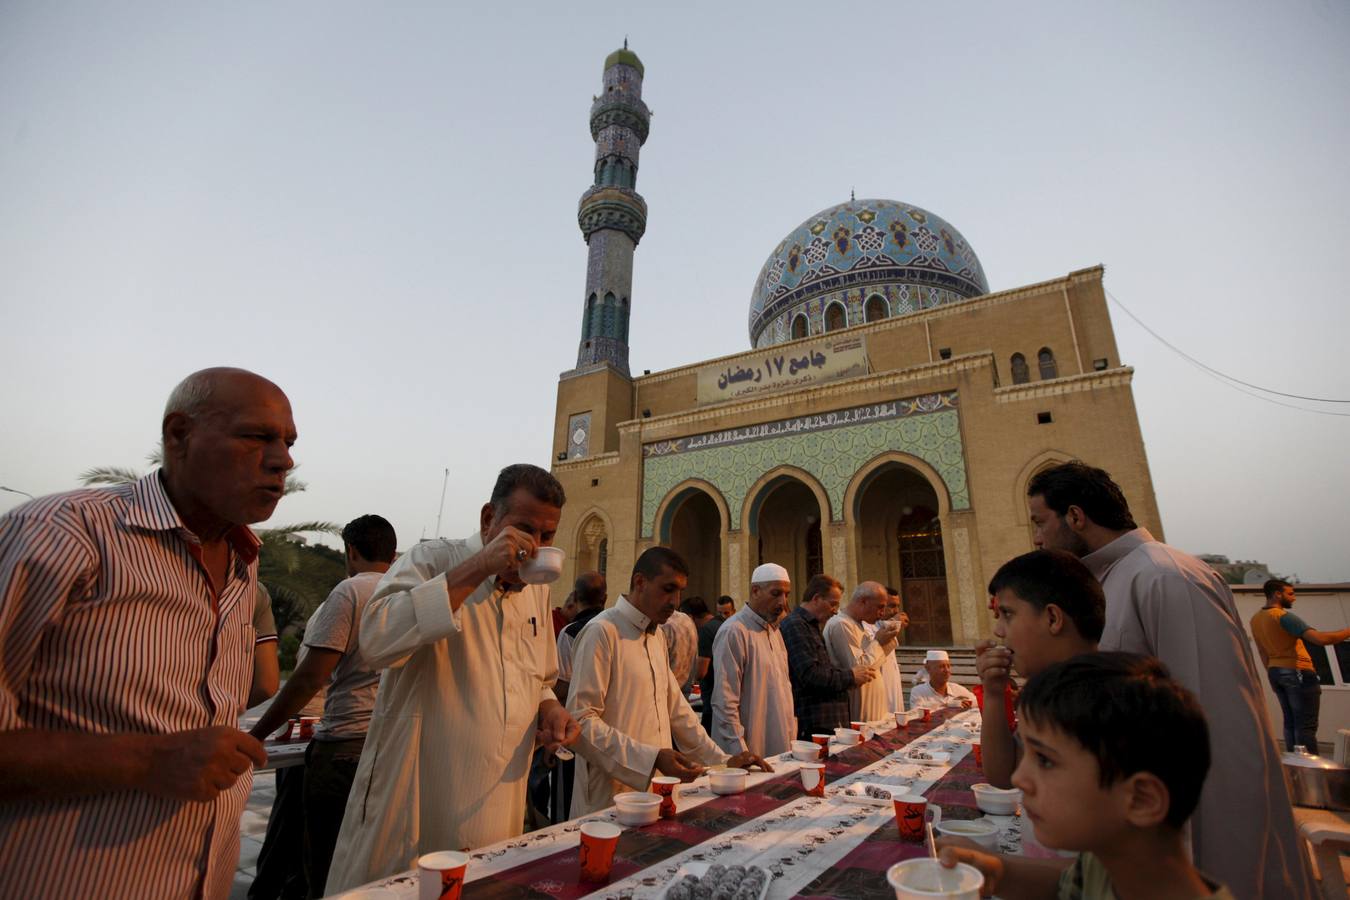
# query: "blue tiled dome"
(910, 257)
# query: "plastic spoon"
(948, 880)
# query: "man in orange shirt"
(1280, 636)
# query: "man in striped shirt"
(126, 645)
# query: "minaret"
(612, 215)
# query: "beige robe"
(889, 676)
(850, 645)
(752, 693)
(1164, 603)
(448, 753)
(629, 706)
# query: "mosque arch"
(1046, 359)
(899, 508)
(592, 542)
(785, 514)
(876, 309)
(692, 520)
(801, 326)
(836, 316)
(1021, 372)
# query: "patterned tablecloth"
(837, 846)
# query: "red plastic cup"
(911, 811)
(598, 840)
(307, 724)
(440, 876)
(813, 779)
(665, 786)
(927, 715)
(824, 741)
(979, 756)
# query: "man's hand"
(556, 727)
(955, 850)
(677, 765)
(902, 619)
(993, 664)
(748, 760)
(199, 764)
(502, 554)
(887, 631)
(863, 674)
(967, 703)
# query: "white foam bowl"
(847, 735)
(638, 807)
(727, 781)
(996, 801)
(806, 751)
(981, 831)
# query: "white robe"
(889, 676)
(923, 695)
(629, 706)
(447, 756)
(849, 645)
(752, 693)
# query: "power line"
(1235, 383)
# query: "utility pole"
(444, 481)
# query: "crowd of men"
(129, 622)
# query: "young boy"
(1047, 608)
(1116, 753)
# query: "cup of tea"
(925, 879)
(440, 876)
(665, 786)
(598, 840)
(911, 812)
(813, 779)
(824, 741)
(542, 568)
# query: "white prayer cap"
(936, 656)
(769, 572)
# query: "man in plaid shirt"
(819, 687)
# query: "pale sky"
(374, 205)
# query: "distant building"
(884, 426)
(1243, 571)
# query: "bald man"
(850, 645)
(126, 648)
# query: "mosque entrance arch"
(694, 531)
(786, 522)
(899, 541)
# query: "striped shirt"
(108, 624)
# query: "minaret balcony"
(624, 111)
(619, 208)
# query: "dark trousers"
(330, 769)
(1300, 694)
(281, 872)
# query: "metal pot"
(1316, 781)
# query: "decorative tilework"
(832, 455)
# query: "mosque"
(883, 424)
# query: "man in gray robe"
(1165, 603)
(752, 695)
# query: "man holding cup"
(629, 704)
(470, 659)
(850, 645)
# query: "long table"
(813, 847)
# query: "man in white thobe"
(890, 666)
(467, 691)
(850, 645)
(939, 690)
(1165, 603)
(752, 692)
(635, 721)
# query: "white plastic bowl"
(981, 831)
(727, 781)
(847, 735)
(806, 751)
(638, 807)
(996, 801)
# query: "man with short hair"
(819, 687)
(468, 690)
(1165, 603)
(333, 661)
(850, 646)
(126, 654)
(1280, 635)
(939, 690)
(628, 702)
(889, 671)
(726, 607)
(591, 593)
(752, 698)
(1047, 608)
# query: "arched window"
(1021, 373)
(800, 327)
(877, 308)
(607, 323)
(1047, 360)
(835, 317)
